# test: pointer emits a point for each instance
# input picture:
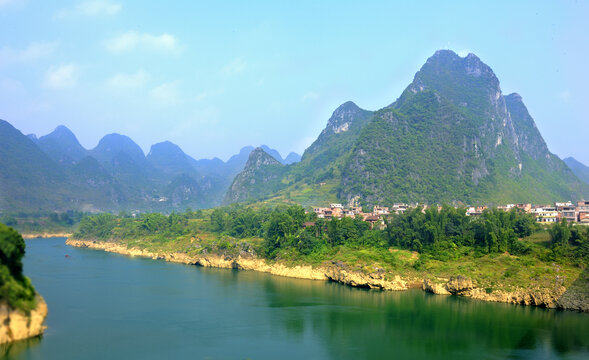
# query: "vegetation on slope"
(498, 250)
(15, 288)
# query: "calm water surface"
(108, 306)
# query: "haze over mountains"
(578, 168)
(54, 172)
(451, 137)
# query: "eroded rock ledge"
(16, 325)
(558, 297)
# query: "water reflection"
(11, 350)
(368, 324)
(106, 305)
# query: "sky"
(214, 76)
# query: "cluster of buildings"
(375, 217)
(573, 212)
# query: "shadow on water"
(11, 350)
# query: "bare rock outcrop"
(16, 325)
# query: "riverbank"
(573, 297)
(16, 325)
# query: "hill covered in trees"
(451, 137)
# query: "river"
(108, 306)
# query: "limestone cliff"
(16, 325)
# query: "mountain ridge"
(451, 137)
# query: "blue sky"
(215, 76)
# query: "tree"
(560, 233)
(12, 249)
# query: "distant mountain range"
(54, 172)
(451, 137)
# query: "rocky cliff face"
(16, 325)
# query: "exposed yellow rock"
(16, 325)
(435, 288)
(558, 297)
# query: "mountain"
(55, 172)
(578, 168)
(343, 128)
(62, 146)
(451, 137)
(272, 152)
(317, 174)
(227, 169)
(262, 174)
(168, 158)
(27, 174)
(292, 158)
(113, 145)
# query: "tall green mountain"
(578, 168)
(261, 175)
(450, 137)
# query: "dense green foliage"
(15, 288)
(493, 231)
(147, 225)
(570, 240)
(43, 222)
(441, 234)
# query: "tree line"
(436, 232)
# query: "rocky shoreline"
(558, 297)
(16, 325)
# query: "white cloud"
(123, 80)
(89, 8)
(7, 2)
(310, 96)
(32, 52)
(166, 93)
(235, 67)
(565, 96)
(133, 40)
(61, 77)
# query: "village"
(573, 212)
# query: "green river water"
(108, 306)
